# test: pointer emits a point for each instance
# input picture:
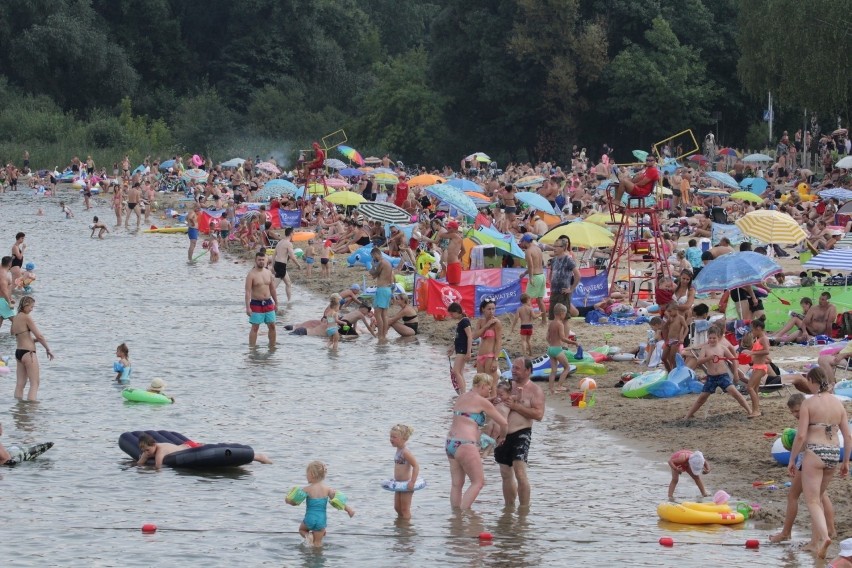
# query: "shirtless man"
(525, 405)
(317, 328)
(260, 299)
(724, 247)
(535, 271)
(7, 310)
(151, 449)
(704, 227)
(454, 252)
(283, 254)
(192, 230)
(134, 196)
(549, 189)
(382, 271)
(509, 205)
(820, 318)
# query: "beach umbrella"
(734, 270)
(754, 158)
(500, 241)
(334, 163)
(478, 157)
(384, 212)
(698, 159)
(351, 172)
(640, 155)
(352, 154)
(724, 179)
(453, 197)
(604, 219)
(771, 227)
(836, 259)
(838, 193)
(529, 181)
(712, 192)
(195, 175)
(477, 195)
(535, 201)
(754, 185)
(232, 163)
(268, 167)
(582, 234)
(464, 184)
(605, 184)
(425, 179)
(276, 188)
(139, 169)
(383, 171)
(846, 208)
(844, 163)
(747, 196)
(336, 183)
(386, 179)
(372, 160)
(728, 152)
(167, 164)
(347, 198)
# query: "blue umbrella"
(535, 201)
(755, 158)
(453, 197)
(733, 270)
(837, 193)
(503, 241)
(276, 188)
(754, 185)
(167, 164)
(233, 163)
(351, 172)
(604, 184)
(139, 169)
(670, 166)
(464, 184)
(724, 179)
(383, 171)
(529, 181)
(836, 259)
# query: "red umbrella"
(728, 152)
(698, 158)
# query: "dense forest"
(427, 81)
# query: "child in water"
(99, 227)
(405, 468)
(325, 259)
(692, 463)
(157, 386)
(487, 440)
(525, 317)
(318, 495)
(310, 256)
(329, 316)
(122, 366)
(556, 339)
(67, 210)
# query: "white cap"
(846, 548)
(696, 463)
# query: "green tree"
(800, 51)
(661, 87)
(201, 120)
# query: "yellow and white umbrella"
(603, 219)
(581, 233)
(771, 227)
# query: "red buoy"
(666, 541)
(752, 543)
(149, 528)
(485, 536)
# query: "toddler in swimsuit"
(691, 463)
(316, 495)
(329, 316)
(555, 340)
(405, 468)
(525, 317)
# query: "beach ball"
(588, 384)
(787, 437)
(642, 312)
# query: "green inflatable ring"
(140, 395)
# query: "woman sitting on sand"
(404, 322)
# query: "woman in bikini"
(760, 364)
(820, 417)
(26, 335)
(489, 329)
(463, 440)
(117, 203)
(404, 322)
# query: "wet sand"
(736, 448)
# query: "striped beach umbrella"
(837, 259)
(771, 227)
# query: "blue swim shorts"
(192, 233)
(722, 381)
(262, 311)
(383, 297)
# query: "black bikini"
(19, 354)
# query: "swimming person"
(405, 468)
(316, 496)
(26, 335)
(157, 386)
(122, 366)
(152, 449)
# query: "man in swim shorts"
(261, 299)
(283, 254)
(535, 271)
(192, 229)
(525, 405)
(382, 271)
(454, 252)
(134, 196)
(6, 302)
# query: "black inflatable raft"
(203, 457)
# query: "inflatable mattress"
(202, 457)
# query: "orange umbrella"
(478, 195)
(426, 179)
(299, 236)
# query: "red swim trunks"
(454, 271)
(526, 329)
(192, 444)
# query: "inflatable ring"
(140, 395)
(402, 486)
(196, 160)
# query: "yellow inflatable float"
(699, 514)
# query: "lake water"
(81, 504)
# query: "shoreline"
(735, 446)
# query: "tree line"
(426, 81)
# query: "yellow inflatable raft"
(164, 230)
(676, 513)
